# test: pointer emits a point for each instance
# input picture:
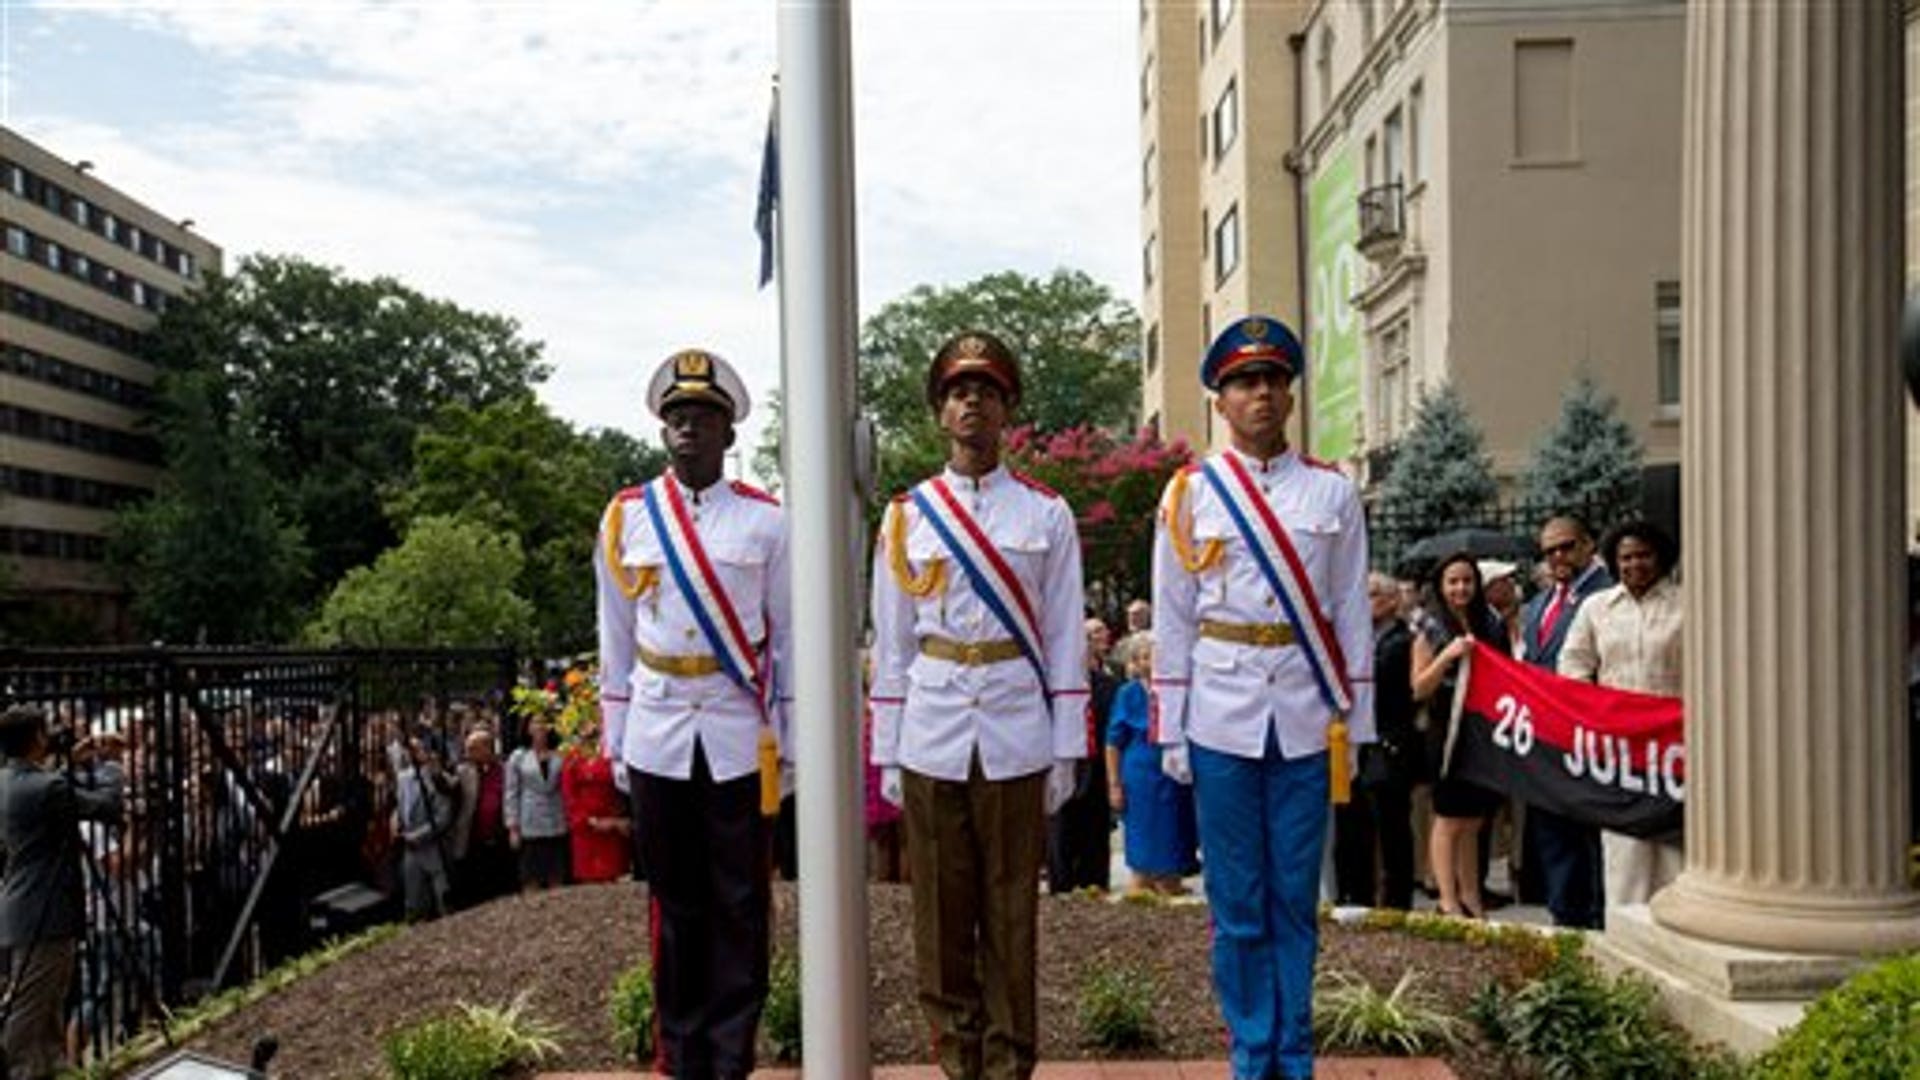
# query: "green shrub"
(1116, 1010)
(1867, 1027)
(1574, 1023)
(781, 1018)
(476, 1043)
(1349, 1014)
(630, 1011)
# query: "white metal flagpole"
(819, 326)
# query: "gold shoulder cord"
(1210, 552)
(934, 580)
(643, 578)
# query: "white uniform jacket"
(649, 720)
(932, 715)
(1224, 695)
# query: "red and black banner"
(1611, 758)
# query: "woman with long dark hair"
(1460, 615)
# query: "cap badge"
(971, 347)
(1255, 328)
(693, 364)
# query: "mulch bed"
(566, 947)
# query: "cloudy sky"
(589, 167)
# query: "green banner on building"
(1334, 349)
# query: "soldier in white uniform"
(979, 708)
(694, 636)
(1262, 677)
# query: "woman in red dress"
(598, 826)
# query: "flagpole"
(819, 327)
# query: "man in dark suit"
(1567, 851)
(42, 892)
(1381, 811)
(1078, 845)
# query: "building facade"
(1219, 213)
(1494, 203)
(87, 272)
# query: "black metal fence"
(1391, 533)
(256, 783)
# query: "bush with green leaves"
(780, 1019)
(1116, 1010)
(1867, 1027)
(1575, 1023)
(1350, 1014)
(475, 1043)
(630, 1011)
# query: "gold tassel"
(934, 580)
(1339, 779)
(1176, 531)
(769, 774)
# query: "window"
(17, 241)
(1666, 308)
(1370, 162)
(1203, 39)
(1226, 120)
(1392, 132)
(133, 239)
(138, 294)
(1226, 245)
(1146, 86)
(17, 180)
(1206, 233)
(1146, 173)
(81, 212)
(1392, 384)
(1222, 15)
(1323, 70)
(1146, 259)
(82, 267)
(110, 227)
(1153, 348)
(183, 262)
(1543, 122)
(1416, 168)
(52, 255)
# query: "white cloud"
(589, 168)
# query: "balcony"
(1383, 221)
(1379, 463)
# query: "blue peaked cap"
(1253, 342)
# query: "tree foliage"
(331, 377)
(210, 557)
(450, 583)
(1441, 476)
(1114, 486)
(1589, 460)
(515, 468)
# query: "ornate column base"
(1790, 920)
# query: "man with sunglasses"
(1566, 851)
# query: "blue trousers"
(1263, 830)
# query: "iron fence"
(255, 781)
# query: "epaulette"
(741, 487)
(1314, 462)
(1192, 467)
(1032, 483)
(637, 492)
(905, 496)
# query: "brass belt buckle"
(973, 654)
(1267, 634)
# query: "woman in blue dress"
(1157, 814)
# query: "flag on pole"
(769, 201)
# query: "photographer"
(42, 894)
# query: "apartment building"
(86, 272)
(1494, 202)
(1219, 213)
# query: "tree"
(1114, 486)
(210, 557)
(332, 377)
(515, 468)
(1441, 476)
(448, 584)
(1588, 462)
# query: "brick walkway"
(1324, 1069)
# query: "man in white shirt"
(979, 709)
(694, 640)
(1261, 679)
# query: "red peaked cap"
(974, 352)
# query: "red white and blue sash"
(992, 579)
(1286, 575)
(706, 597)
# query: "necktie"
(1552, 615)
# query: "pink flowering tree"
(1113, 484)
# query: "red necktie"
(1552, 615)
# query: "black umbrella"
(1481, 543)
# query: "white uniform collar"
(1279, 463)
(706, 496)
(961, 482)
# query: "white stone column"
(1793, 499)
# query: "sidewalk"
(1324, 1069)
